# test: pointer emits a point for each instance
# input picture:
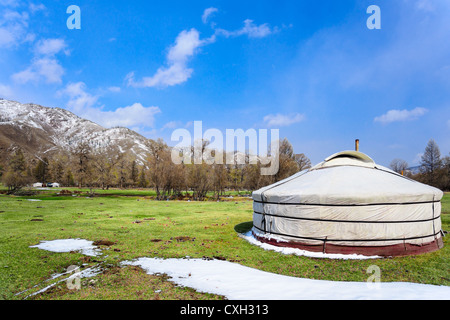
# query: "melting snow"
(237, 282)
(86, 273)
(86, 247)
(250, 238)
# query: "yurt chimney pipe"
(357, 145)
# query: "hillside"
(41, 131)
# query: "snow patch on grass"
(237, 282)
(284, 250)
(86, 247)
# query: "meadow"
(129, 224)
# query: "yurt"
(348, 204)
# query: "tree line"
(433, 169)
(88, 167)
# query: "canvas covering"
(351, 201)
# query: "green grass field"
(141, 227)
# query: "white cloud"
(250, 29)
(44, 65)
(114, 89)
(171, 125)
(14, 24)
(50, 47)
(7, 38)
(176, 71)
(401, 115)
(47, 69)
(164, 77)
(9, 3)
(83, 104)
(254, 31)
(129, 116)
(13, 28)
(36, 7)
(25, 76)
(5, 91)
(14, 16)
(186, 45)
(207, 13)
(279, 120)
(79, 99)
(425, 5)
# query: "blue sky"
(311, 69)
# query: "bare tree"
(219, 179)
(143, 183)
(252, 176)
(160, 168)
(122, 169)
(399, 165)
(178, 178)
(103, 165)
(235, 176)
(303, 161)
(199, 180)
(81, 163)
(446, 172)
(69, 180)
(134, 173)
(287, 163)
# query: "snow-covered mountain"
(42, 131)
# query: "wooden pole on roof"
(357, 145)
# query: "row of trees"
(86, 167)
(169, 178)
(433, 169)
(81, 168)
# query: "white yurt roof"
(347, 177)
